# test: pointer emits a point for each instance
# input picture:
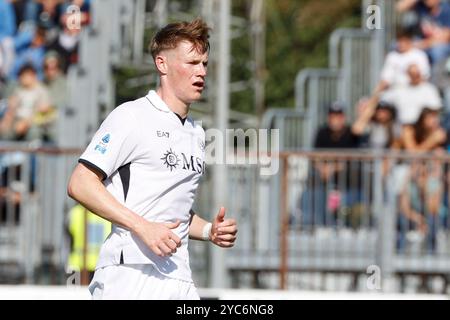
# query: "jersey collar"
(157, 102)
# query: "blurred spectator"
(395, 68)
(29, 108)
(34, 54)
(84, 7)
(7, 56)
(7, 19)
(409, 100)
(337, 133)
(11, 188)
(66, 45)
(56, 84)
(55, 80)
(376, 124)
(421, 204)
(434, 22)
(44, 13)
(426, 135)
(332, 189)
(19, 10)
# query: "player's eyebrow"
(197, 61)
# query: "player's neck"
(174, 104)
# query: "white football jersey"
(151, 163)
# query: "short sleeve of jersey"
(114, 144)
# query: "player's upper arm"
(82, 177)
(84, 168)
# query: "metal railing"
(342, 213)
(351, 76)
(33, 208)
(315, 89)
(353, 51)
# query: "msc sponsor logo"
(189, 163)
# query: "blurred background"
(358, 90)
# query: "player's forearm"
(196, 227)
(86, 188)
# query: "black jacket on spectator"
(68, 57)
(346, 140)
(325, 139)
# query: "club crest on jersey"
(101, 146)
(171, 159)
(106, 138)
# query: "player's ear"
(161, 63)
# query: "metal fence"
(33, 208)
(342, 215)
(315, 89)
(354, 52)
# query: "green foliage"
(297, 37)
(297, 34)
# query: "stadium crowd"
(38, 42)
(408, 111)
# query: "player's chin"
(197, 94)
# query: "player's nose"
(202, 71)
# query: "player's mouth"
(199, 85)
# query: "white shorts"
(139, 282)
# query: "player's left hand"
(223, 231)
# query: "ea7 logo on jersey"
(195, 164)
(162, 134)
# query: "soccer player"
(141, 171)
